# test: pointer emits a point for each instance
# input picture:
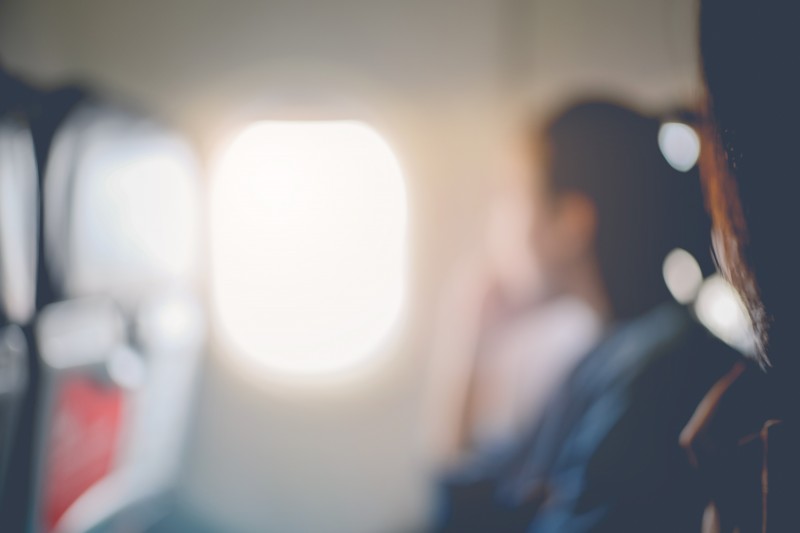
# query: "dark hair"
(750, 52)
(645, 208)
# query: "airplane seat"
(120, 350)
(116, 326)
(18, 226)
(28, 118)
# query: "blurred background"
(283, 384)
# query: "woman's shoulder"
(748, 460)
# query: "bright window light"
(308, 245)
(680, 145)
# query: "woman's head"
(750, 51)
(609, 197)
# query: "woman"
(744, 436)
(604, 454)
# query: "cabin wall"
(438, 79)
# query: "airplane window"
(308, 245)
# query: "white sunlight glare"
(308, 245)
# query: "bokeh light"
(721, 310)
(682, 275)
(680, 145)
